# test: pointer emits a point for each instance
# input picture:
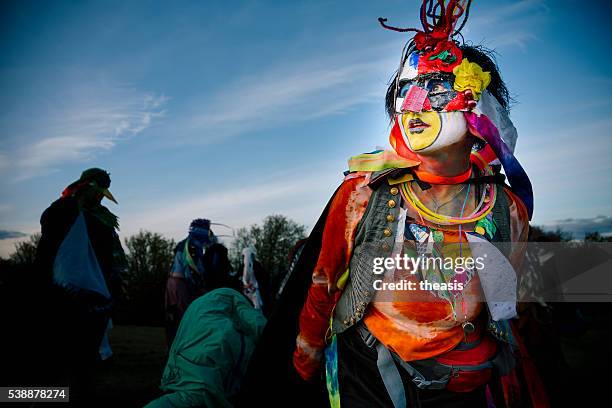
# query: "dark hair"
(478, 54)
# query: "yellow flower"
(469, 75)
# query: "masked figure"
(81, 259)
(187, 278)
(437, 194)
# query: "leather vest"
(375, 237)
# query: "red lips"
(417, 125)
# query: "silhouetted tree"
(25, 251)
(596, 237)
(149, 257)
(273, 241)
(538, 234)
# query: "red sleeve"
(345, 211)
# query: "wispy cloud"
(88, 122)
(578, 227)
(240, 206)
(335, 81)
(296, 91)
(511, 10)
(4, 234)
(566, 162)
(516, 38)
(512, 25)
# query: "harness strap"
(387, 362)
(386, 367)
(390, 376)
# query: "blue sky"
(237, 110)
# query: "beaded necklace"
(484, 207)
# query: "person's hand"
(307, 365)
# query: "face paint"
(420, 129)
(426, 132)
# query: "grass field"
(131, 377)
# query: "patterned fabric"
(430, 243)
(184, 284)
(421, 324)
(347, 208)
(379, 160)
(331, 371)
(482, 127)
(429, 323)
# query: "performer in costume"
(187, 278)
(439, 188)
(80, 261)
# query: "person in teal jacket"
(210, 353)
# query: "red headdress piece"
(434, 42)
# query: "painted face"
(426, 132)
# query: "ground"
(131, 377)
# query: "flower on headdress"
(469, 75)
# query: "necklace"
(435, 179)
(484, 207)
(467, 326)
(482, 210)
(438, 206)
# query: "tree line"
(150, 256)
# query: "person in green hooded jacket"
(211, 351)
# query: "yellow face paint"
(421, 128)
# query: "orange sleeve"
(344, 214)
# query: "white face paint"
(454, 129)
(427, 132)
